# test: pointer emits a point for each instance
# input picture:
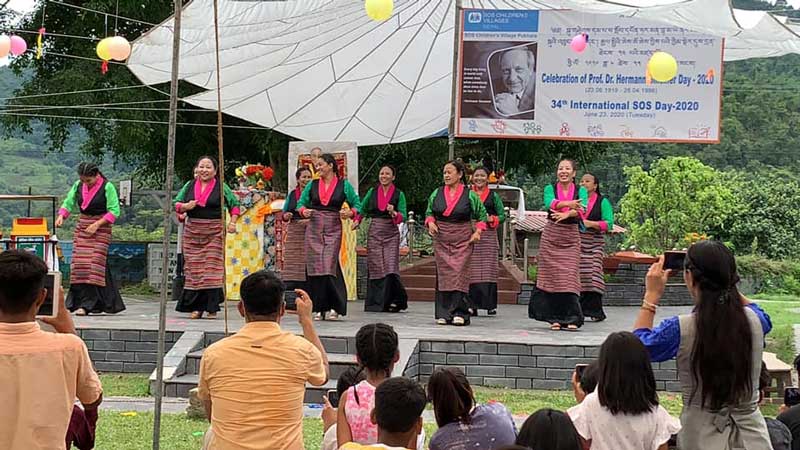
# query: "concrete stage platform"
(510, 325)
(507, 350)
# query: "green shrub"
(533, 270)
(770, 276)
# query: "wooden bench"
(780, 375)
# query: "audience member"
(377, 353)
(44, 371)
(548, 429)
(586, 384)
(463, 423)
(253, 382)
(718, 348)
(779, 434)
(347, 379)
(623, 412)
(790, 415)
(82, 427)
(399, 403)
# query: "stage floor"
(510, 325)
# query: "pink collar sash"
(592, 200)
(201, 195)
(87, 193)
(483, 194)
(297, 193)
(325, 193)
(383, 198)
(452, 201)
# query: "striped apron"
(202, 253)
(484, 265)
(323, 242)
(452, 250)
(294, 251)
(559, 259)
(383, 250)
(90, 253)
(591, 267)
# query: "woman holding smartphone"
(719, 349)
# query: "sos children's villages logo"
(474, 17)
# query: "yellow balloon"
(379, 10)
(663, 66)
(104, 49)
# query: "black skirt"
(451, 304)
(384, 292)
(96, 299)
(483, 296)
(201, 300)
(562, 308)
(592, 305)
(328, 292)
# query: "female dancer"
(451, 210)
(386, 206)
(483, 267)
(294, 251)
(558, 284)
(598, 220)
(322, 201)
(92, 288)
(203, 238)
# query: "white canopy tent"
(322, 70)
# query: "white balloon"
(119, 47)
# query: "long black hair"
(376, 347)
(299, 172)
(722, 354)
(330, 159)
(89, 169)
(625, 380)
(548, 429)
(451, 395)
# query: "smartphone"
(674, 260)
(290, 298)
(333, 398)
(579, 369)
(51, 305)
(791, 396)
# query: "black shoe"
(492, 312)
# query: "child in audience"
(377, 353)
(586, 383)
(623, 413)
(548, 429)
(399, 403)
(347, 379)
(462, 423)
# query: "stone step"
(180, 387)
(339, 363)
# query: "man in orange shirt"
(253, 383)
(41, 373)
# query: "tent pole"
(221, 171)
(169, 181)
(451, 131)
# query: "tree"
(679, 195)
(769, 227)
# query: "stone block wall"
(521, 366)
(127, 351)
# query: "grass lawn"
(784, 310)
(125, 385)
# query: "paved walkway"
(511, 324)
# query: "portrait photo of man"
(513, 73)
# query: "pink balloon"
(18, 45)
(578, 44)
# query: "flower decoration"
(254, 176)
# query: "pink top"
(451, 198)
(358, 414)
(383, 198)
(88, 193)
(589, 206)
(563, 196)
(326, 192)
(201, 195)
